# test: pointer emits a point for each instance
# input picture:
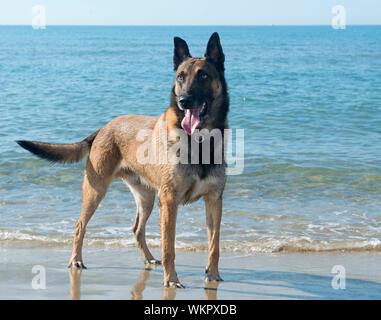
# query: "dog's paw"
(152, 262)
(213, 277)
(173, 284)
(76, 265)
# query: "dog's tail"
(64, 153)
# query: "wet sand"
(120, 274)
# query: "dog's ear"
(181, 52)
(214, 52)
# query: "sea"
(307, 98)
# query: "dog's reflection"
(75, 283)
(210, 288)
(136, 291)
(138, 288)
(169, 293)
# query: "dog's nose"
(185, 101)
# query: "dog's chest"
(199, 187)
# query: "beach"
(119, 274)
(307, 202)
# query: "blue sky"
(189, 12)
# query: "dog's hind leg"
(144, 199)
(93, 191)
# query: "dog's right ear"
(181, 52)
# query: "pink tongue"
(191, 120)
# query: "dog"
(199, 101)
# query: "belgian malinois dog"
(199, 101)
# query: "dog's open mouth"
(193, 118)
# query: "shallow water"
(308, 98)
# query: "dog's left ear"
(214, 52)
(181, 52)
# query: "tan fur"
(113, 154)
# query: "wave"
(268, 245)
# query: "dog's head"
(199, 88)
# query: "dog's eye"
(180, 77)
(204, 76)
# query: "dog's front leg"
(213, 206)
(168, 213)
